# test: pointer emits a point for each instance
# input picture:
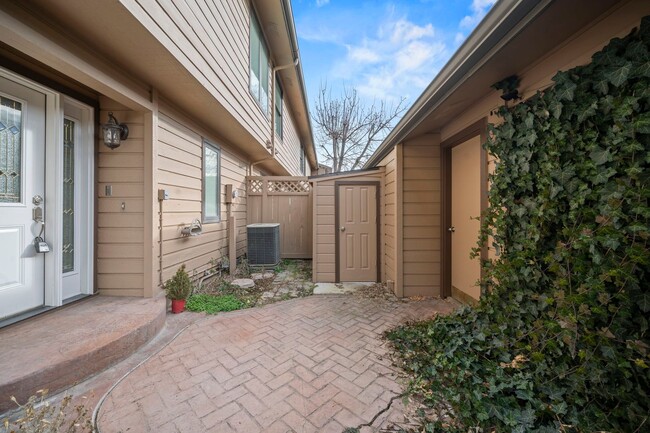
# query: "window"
(211, 183)
(278, 108)
(302, 160)
(259, 66)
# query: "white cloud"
(399, 61)
(479, 9)
(320, 3)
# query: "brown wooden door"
(465, 209)
(357, 232)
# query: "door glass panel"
(11, 116)
(68, 195)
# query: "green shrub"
(212, 304)
(179, 286)
(559, 341)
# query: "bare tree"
(347, 130)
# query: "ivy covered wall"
(559, 341)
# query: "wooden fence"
(286, 200)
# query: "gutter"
(499, 26)
(289, 22)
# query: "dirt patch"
(289, 279)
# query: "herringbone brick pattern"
(313, 364)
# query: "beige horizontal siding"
(324, 245)
(120, 232)
(179, 163)
(211, 39)
(288, 146)
(421, 216)
(390, 217)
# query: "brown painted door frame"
(478, 128)
(337, 245)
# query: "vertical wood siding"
(422, 216)
(179, 162)
(120, 233)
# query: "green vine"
(560, 340)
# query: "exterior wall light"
(114, 132)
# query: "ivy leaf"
(644, 302)
(555, 107)
(600, 156)
(601, 86)
(619, 75)
(642, 123)
(566, 92)
(642, 70)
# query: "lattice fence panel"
(255, 186)
(288, 186)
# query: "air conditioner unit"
(263, 244)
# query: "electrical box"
(163, 194)
(229, 195)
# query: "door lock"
(37, 200)
(40, 245)
(451, 229)
(37, 214)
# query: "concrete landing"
(60, 348)
(338, 288)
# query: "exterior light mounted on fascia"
(114, 132)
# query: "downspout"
(273, 72)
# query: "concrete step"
(65, 346)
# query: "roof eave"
(479, 47)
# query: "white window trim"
(263, 48)
(211, 219)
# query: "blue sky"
(385, 49)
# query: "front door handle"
(342, 229)
(451, 229)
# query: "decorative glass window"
(11, 117)
(302, 160)
(211, 183)
(259, 65)
(68, 195)
(278, 108)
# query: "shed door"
(357, 231)
(465, 209)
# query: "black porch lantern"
(114, 132)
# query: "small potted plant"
(178, 288)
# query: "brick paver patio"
(313, 364)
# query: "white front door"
(22, 192)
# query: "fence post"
(232, 244)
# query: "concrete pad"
(339, 288)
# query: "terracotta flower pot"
(178, 305)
